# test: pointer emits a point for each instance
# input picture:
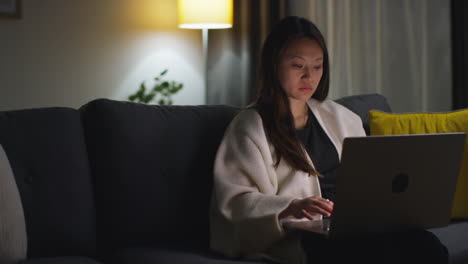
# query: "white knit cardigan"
(249, 192)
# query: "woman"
(277, 158)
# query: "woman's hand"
(308, 207)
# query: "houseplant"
(161, 92)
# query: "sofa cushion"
(382, 123)
(168, 256)
(61, 260)
(455, 238)
(153, 171)
(362, 104)
(13, 240)
(47, 153)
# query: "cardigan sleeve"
(245, 186)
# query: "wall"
(66, 53)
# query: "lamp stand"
(205, 61)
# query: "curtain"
(460, 53)
(398, 48)
(233, 54)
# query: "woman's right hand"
(308, 207)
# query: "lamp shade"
(205, 13)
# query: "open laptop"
(390, 183)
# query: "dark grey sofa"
(119, 182)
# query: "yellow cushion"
(421, 123)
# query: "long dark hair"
(272, 103)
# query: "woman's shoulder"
(247, 120)
(248, 114)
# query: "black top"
(323, 154)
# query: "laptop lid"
(389, 183)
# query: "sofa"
(120, 182)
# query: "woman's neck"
(300, 113)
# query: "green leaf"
(157, 88)
(177, 88)
(148, 98)
(142, 87)
(161, 91)
(142, 90)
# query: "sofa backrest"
(152, 167)
(48, 157)
(362, 104)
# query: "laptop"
(391, 183)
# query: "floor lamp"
(204, 15)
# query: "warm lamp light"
(205, 14)
(200, 14)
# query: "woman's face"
(300, 69)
